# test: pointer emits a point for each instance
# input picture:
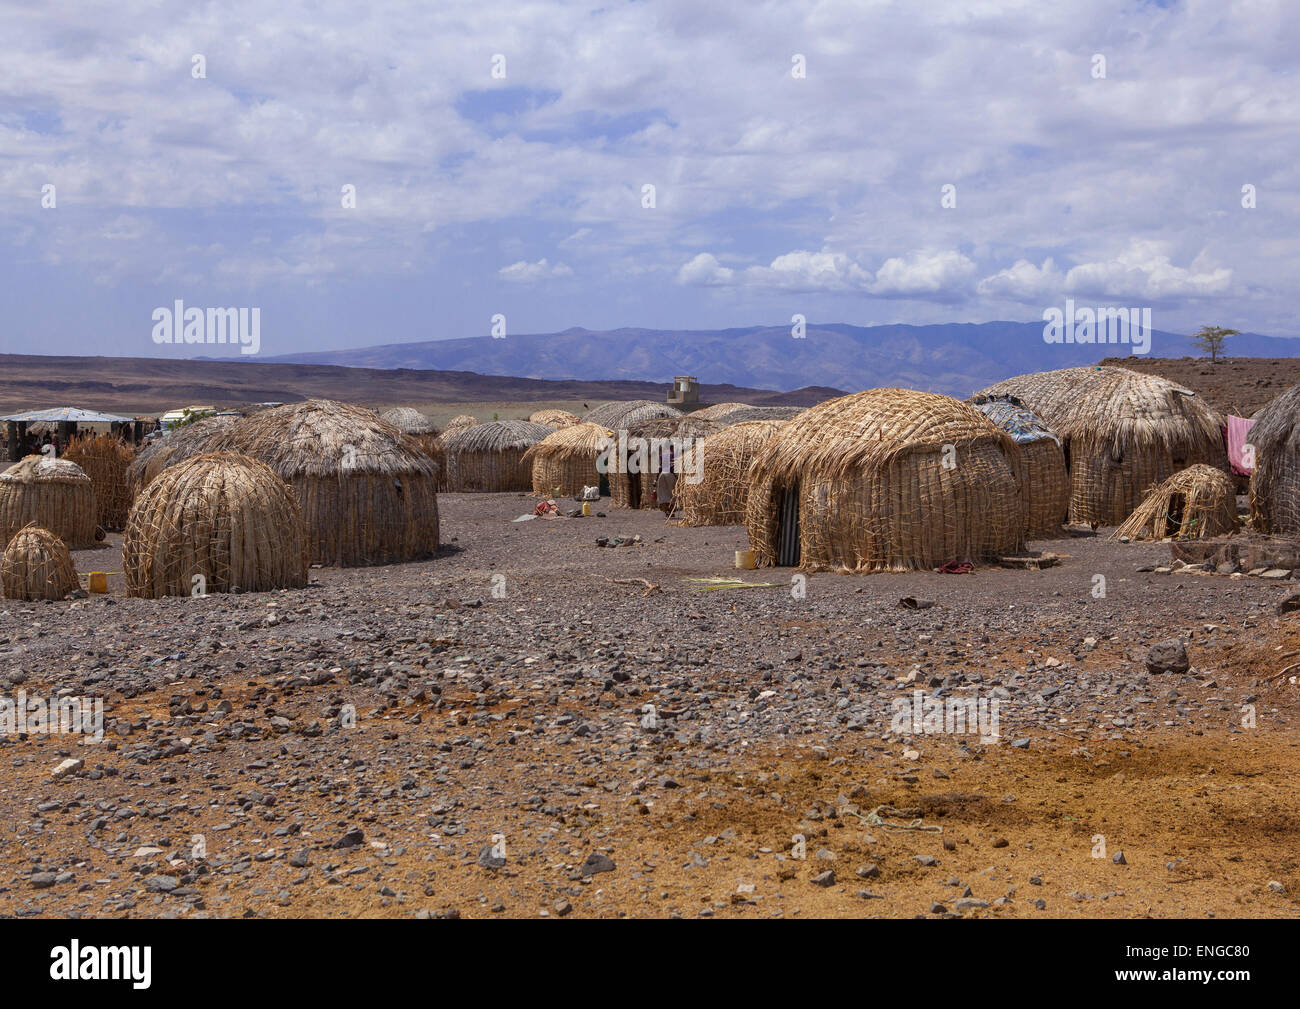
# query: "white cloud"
(705, 271)
(524, 272)
(932, 276)
(1143, 271)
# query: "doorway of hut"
(634, 491)
(787, 526)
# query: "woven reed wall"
(722, 495)
(105, 459)
(910, 514)
(501, 470)
(1045, 488)
(363, 519)
(36, 565)
(570, 473)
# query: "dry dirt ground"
(228, 785)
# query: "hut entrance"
(634, 490)
(604, 486)
(1174, 515)
(787, 527)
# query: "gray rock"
(826, 878)
(1168, 657)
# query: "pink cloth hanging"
(1238, 436)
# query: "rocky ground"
(470, 736)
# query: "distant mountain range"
(952, 358)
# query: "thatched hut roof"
(887, 479)
(324, 438)
(748, 413)
(555, 418)
(53, 493)
(718, 410)
(1194, 503)
(580, 440)
(409, 420)
(36, 565)
(217, 522)
(180, 443)
(459, 423)
(1122, 432)
(497, 436)
(620, 413)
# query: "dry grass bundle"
(490, 457)
(221, 517)
(36, 565)
(748, 413)
(719, 410)
(368, 496)
(1122, 432)
(555, 418)
(177, 445)
(622, 413)
(53, 493)
(1275, 484)
(1046, 483)
(887, 479)
(565, 461)
(459, 423)
(1194, 503)
(105, 459)
(720, 497)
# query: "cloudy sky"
(500, 154)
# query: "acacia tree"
(1210, 339)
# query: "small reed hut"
(367, 494)
(565, 461)
(1122, 432)
(1275, 484)
(219, 522)
(747, 413)
(650, 449)
(1046, 483)
(1192, 504)
(53, 493)
(721, 495)
(885, 480)
(181, 443)
(461, 422)
(555, 418)
(36, 565)
(105, 458)
(490, 457)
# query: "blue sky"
(522, 195)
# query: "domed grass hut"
(53, 493)
(105, 458)
(490, 457)
(555, 419)
(181, 443)
(651, 448)
(461, 422)
(218, 522)
(36, 565)
(720, 497)
(565, 461)
(1122, 433)
(368, 496)
(885, 480)
(1194, 503)
(1275, 484)
(1046, 483)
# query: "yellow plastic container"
(586, 507)
(98, 581)
(745, 560)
